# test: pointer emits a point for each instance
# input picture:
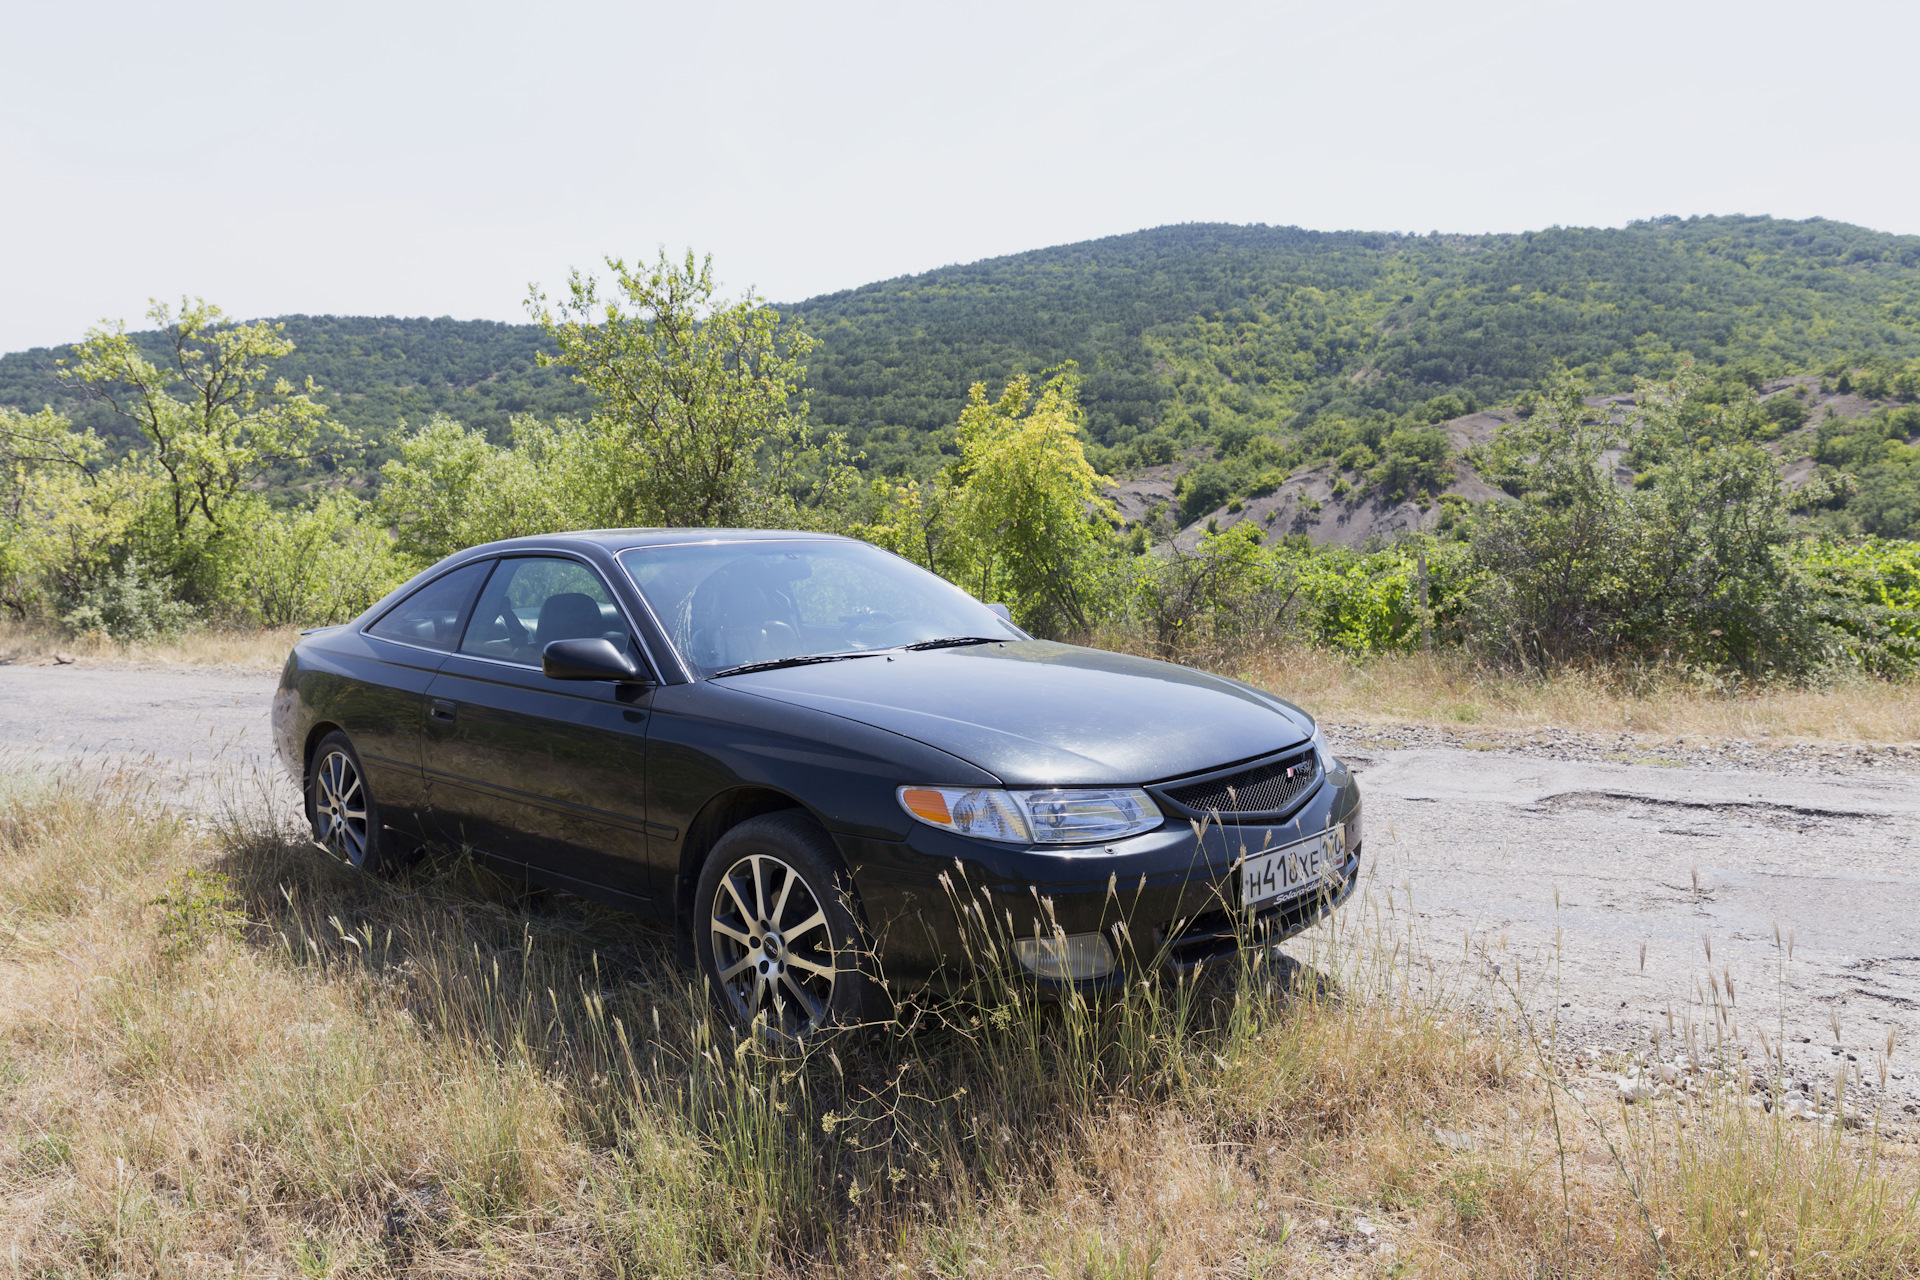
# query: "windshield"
(735, 604)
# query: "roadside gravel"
(1765, 753)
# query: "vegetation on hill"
(1241, 352)
(1219, 335)
(373, 375)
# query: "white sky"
(398, 158)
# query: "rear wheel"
(345, 817)
(777, 932)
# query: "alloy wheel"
(340, 808)
(772, 950)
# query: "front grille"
(1265, 789)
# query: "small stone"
(1364, 1227)
(1632, 1090)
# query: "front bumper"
(935, 900)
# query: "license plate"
(1274, 875)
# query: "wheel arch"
(320, 729)
(718, 816)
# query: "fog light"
(1072, 957)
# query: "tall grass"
(1664, 701)
(220, 1052)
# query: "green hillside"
(1190, 329)
(374, 373)
(1199, 333)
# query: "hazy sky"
(410, 159)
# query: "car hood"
(1035, 713)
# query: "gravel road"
(1598, 870)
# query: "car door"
(549, 775)
(381, 702)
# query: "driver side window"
(531, 601)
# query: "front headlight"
(1062, 815)
(1320, 749)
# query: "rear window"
(433, 615)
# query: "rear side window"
(534, 601)
(433, 615)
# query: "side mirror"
(588, 660)
(1005, 614)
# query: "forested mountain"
(374, 373)
(1197, 333)
(1190, 328)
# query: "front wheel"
(345, 817)
(776, 930)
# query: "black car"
(798, 751)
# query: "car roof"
(623, 539)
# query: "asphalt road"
(1598, 886)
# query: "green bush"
(1414, 461)
(1207, 488)
(1788, 411)
(306, 568)
(1868, 595)
(1370, 602)
(128, 605)
(1691, 566)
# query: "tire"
(777, 931)
(344, 814)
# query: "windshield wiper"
(775, 665)
(953, 642)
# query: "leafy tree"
(699, 420)
(315, 566)
(450, 488)
(1414, 462)
(1223, 596)
(64, 516)
(1208, 487)
(1028, 521)
(1887, 495)
(213, 415)
(1018, 515)
(1691, 565)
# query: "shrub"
(1370, 603)
(1886, 499)
(1868, 596)
(1414, 461)
(1690, 566)
(312, 568)
(1225, 594)
(129, 606)
(1207, 488)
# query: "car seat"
(570, 615)
(733, 620)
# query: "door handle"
(442, 711)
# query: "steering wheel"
(865, 618)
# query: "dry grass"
(220, 1053)
(1445, 689)
(249, 650)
